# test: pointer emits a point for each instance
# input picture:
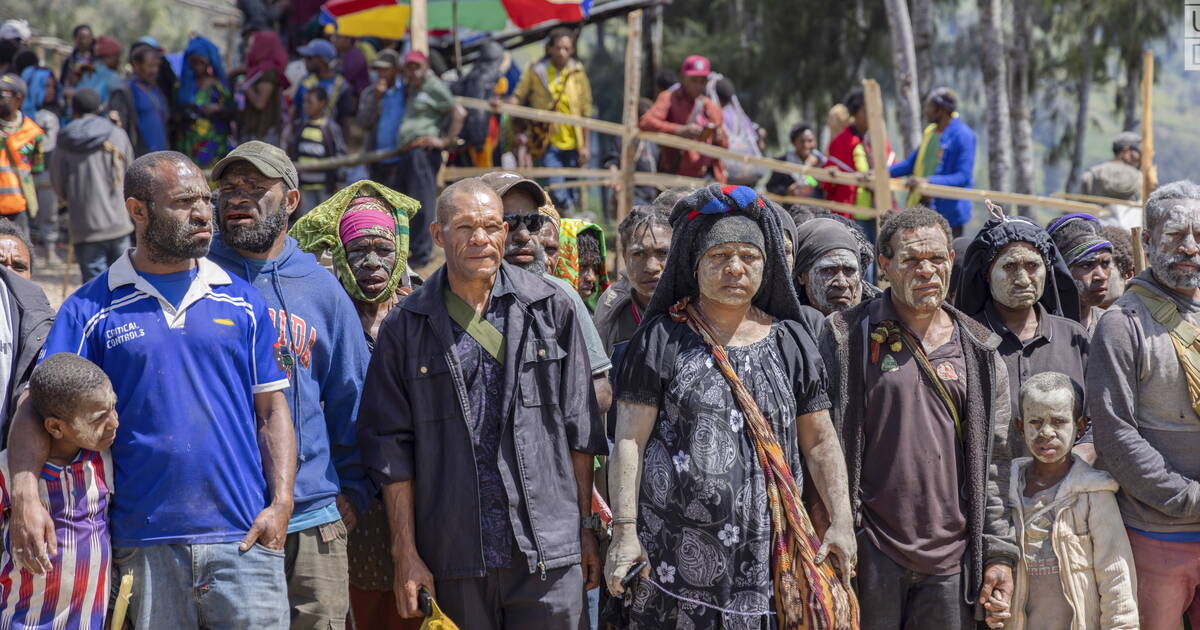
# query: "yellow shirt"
(561, 136)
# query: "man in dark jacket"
(921, 398)
(88, 171)
(479, 419)
(325, 358)
(25, 318)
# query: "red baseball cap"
(415, 56)
(696, 66)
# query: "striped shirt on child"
(75, 592)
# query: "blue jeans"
(213, 586)
(94, 258)
(564, 198)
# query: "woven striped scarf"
(808, 596)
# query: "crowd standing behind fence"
(320, 482)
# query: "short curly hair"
(57, 385)
(1122, 248)
(912, 218)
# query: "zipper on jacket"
(542, 568)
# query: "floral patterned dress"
(702, 510)
(206, 138)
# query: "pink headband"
(364, 214)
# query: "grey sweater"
(1147, 435)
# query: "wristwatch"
(591, 521)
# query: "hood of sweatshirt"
(325, 354)
(85, 134)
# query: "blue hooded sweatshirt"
(328, 355)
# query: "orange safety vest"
(12, 195)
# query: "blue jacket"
(329, 359)
(956, 167)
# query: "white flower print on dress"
(682, 461)
(736, 420)
(729, 535)
(666, 573)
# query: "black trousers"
(892, 597)
(512, 598)
(416, 176)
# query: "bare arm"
(32, 529)
(827, 464)
(411, 574)
(277, 443)
(584, 468)
(458, 115)
(634, 424)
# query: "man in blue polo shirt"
(205, 458)
(380, 112)
(326, 359)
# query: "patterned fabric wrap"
(693, 217)
(317, 233)
(808, 596)
(568, 255)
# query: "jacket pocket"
(431, 390)
(1078, 549)
(541, 370)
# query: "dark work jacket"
(412, 424)
(986, 458)
(31, 317)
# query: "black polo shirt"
(1058, 345)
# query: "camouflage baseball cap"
(270, 160)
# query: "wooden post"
(418, 30)
(457, 39)
(1149, 173)
(633, 81)
(1139, 252)
(881, 188)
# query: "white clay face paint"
(834, 283)
(1049, 425)
(1018, 276)
(1175, 250)
(730, 273)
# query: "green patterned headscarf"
(568, 256)
(317, 232)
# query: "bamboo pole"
(881, 192)
(1095, 199)
(418, 30)
(633, 82)
(455, 173)
(542, 115)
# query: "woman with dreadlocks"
(721, 405)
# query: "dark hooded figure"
(719, 381)
(1016, 283)
(829, 266)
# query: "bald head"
(465, 193)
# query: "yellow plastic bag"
(438, 620)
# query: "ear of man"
(54, 426)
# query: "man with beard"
(1147, 423)
(1015, 282)
(526, 248)
(206, 455)
(325, 358)
(922, 400)
(478, 419)
(828, 270)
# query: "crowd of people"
(259, 412)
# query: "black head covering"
(814, 238)
(1059, 296)
(788, 225)
(693, 218)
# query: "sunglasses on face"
(533, 222)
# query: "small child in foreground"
(1076, 570)
(74, 400)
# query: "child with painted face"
(1076, 570)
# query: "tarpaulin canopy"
(389, 18)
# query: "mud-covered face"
(1091, 278)
(730, 273)
(920, 269)
(1018, 276)
(834, 283)
(1174, 246)
(372, 260)
(1048, 424)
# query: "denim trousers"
(95, 257)
(213, 586)
(564, 198)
